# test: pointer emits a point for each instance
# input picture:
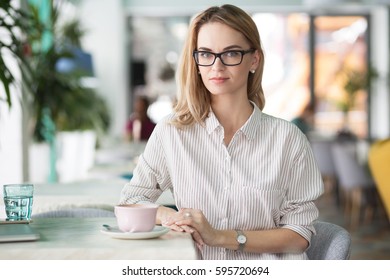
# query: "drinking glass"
(18, 201)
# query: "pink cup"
(136, 217)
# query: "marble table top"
(82, 239)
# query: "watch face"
(241, 239)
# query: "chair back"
(379, 162)
(350, 173)
(322, 150)
(331, 242)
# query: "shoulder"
(282, 125)
(264, 126)
(268, 122)
(283, 133)
(165, 124)
(166, 120)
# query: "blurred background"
(63, 117)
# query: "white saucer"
(114, 232)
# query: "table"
(81, 239)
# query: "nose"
(218, 64)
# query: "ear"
(255, 60)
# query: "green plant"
(72, 32)
(51, 96)
(95, 114)
(354, 81)
(70, 105)
(13, 21)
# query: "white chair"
(332, 242)
(322, 150)
(354, 181)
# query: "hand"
(180, 222)
(203, 233)
(170, 219)
(167, 217)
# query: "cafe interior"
(328, 56)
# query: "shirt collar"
(211, 122)
(248, 129)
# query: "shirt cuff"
(305, 231)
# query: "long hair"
(193, 100)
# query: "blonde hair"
(193, 103)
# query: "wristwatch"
(241, 239)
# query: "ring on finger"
(187, 215)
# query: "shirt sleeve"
(150, 176)
(299, 210)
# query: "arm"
(279, 240)
(150, 176)
(267, 241)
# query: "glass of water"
(18, 201)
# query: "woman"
(139, 127)
(244, 182)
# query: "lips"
(218, 80)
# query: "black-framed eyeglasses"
(228, 58)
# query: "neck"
(232, 114)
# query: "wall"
(174, 7)
(380, 102)
(10, 138)
(106, 40)
(11, 151)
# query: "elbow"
(302, 245)
(297, 245)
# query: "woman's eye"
(232, 54)
(205, 55)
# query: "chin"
(217, 90)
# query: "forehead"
(217, 36)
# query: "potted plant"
(77, 112)
(55, 100)
(353, 81)
(61, 93)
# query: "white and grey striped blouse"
(266, 178)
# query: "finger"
(198, 238)
(173, 227)
(199, 246)
(167, 223)
(186, 212)
(183, 210)
(187, 215)
(187, 229)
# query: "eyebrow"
(232, 47)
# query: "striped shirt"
(266, 177)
